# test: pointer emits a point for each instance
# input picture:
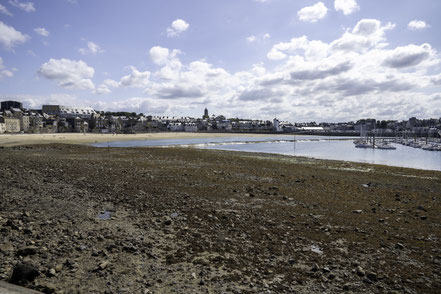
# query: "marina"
(321, 147)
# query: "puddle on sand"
(104, 214)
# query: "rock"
(28, 250)
(51, 273)
(6, 247)
(357, 211)
(346, 287)
(423, 217)
(23, 273)
(59, 267)
(372, 277)
(47, 288)
(399, 246)
(315, 267)
(360, 271)
(103, 265)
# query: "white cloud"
(417, 25)
(346, 6)
(92, 49)
(260, 38)
(354, 76)
(70, 74)
(26, 6)
(408, 56)
(4, 10)
(366, 34)
(42, 32)
(313, 13)
(5, 72)
(177, 27)
(9, 37)
(135, 79)
(251, 39)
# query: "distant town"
(14, 118)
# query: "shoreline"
(9, 140)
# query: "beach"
(177, 220)
(8, 140)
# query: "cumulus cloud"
(42, 32)
(407, 56)
(10, 37)
(321, 72)
(135, 79)
(366, 34)
(417, 25)
(92, 49)
(4, 10)
(104, 88)
(177, 27)
(26, 6)
(356, 75)
(258, 94)
(70, 74)
(4, 73)
(346, 6)
(312, 13)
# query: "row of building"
(14, 118)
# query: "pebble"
(360, 271)
(6, 247)
(103, 265)
(399, 246)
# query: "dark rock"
(28, 250)
(423, 217)
(399, 246)
(360, 271)
(23, 273)
(372, 277)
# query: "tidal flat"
(179, 220)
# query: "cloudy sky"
(302, 60)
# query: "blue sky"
(298, 60)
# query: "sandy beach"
(8, 140)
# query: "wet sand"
(8, 140)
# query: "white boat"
(363, 144)
(385, 146)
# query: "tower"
(205, 116)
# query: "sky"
(301, 61)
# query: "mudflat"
(175, 220)
(8, 140)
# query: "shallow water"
(335, 148)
